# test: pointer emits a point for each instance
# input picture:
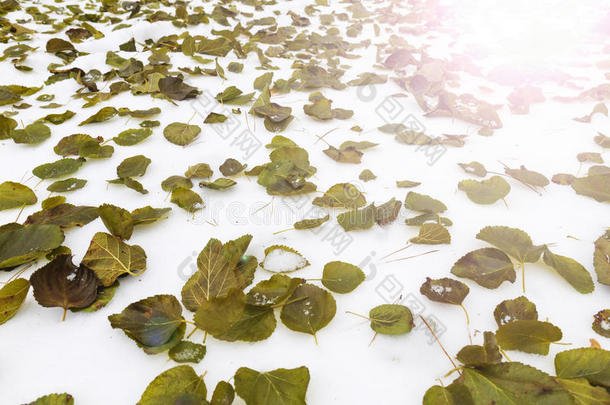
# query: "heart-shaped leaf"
(489, 267)
(341, 277)
(308, 309)
(178, 385)
(61, 284)
(529, 336)
(109, 257)
(486, 191)
(517, 309)
(181, 134)
(276, 387)
(154, 323)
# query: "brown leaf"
(61, 284)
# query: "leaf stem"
(361, 316)
(396, 251)
(283, 230)
(440, 344)
(412, 257)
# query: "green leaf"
(572, 271)
(277, 387)
(131, 137)
(489, 267)
(181, 134)
(57, 119)
(102, 115)
(357, 220)
(590, 363)
(283, 259)
(529, 336)
(513, 384)
(217, 315)
(391, 319)
(486, 191)
(153, 323)
(423, 218)
(407, 183)
(233, 96)
(367, 175)
(215, 118)
(130, 183)
(174, 182)
(320, 107)
(200, 171)
(215, 47)
(231, 167)
(278, 141)
(437, 395)
(110, 257)
(310, 223)
(71, 144)
(178, 385)
(517, 309)
(255, 324)
(222, 183)
(134, 166)
(15, 195)
(59, 168)
(187, 352)
(423, 203)
(148, 215)
(216, 276)
(515, 242)
(344, 155)
(54, 399)
(24, 244)
(273, 291)
(32, 134)
(584, 393)
(64, 215)
(601, 258)
(341, 277)
(63, 186)
(52, 202)
(432, 234)
(6, 126)
(445, 290)
(474, 355)
(224, 394)
(175, 89)
(342, 195)
(187, 199)
(94, 150)
(308, 309)
(117, 220)
(12, 295)
(61, 284)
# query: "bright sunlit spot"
(525, 32)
